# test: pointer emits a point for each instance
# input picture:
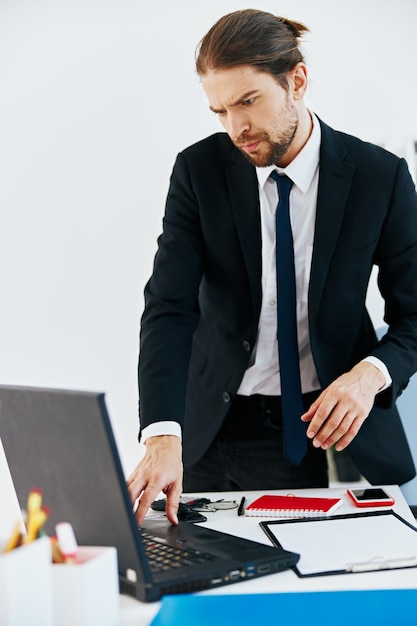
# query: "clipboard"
(346, 544)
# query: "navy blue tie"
(294, 430)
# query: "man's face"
(258, 114)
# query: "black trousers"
(247, 453)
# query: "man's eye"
(248, 102)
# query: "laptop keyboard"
(162, 556)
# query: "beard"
(270, 151)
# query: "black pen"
(241, 508)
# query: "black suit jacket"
(203, 301)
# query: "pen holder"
(26, 585)
(87, 593)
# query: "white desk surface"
(134, 613)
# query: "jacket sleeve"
(171, 305)
(396, 257)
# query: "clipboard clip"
(380, 563)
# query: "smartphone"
(374, 496)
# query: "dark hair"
(250, 37)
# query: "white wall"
(96, 99)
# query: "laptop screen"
(62, 443)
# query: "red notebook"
(292, 506)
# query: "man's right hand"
(160, 470)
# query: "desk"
(134, 613)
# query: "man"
(213, 376)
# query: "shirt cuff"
(382, 368)
(161, 428)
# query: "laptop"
(62, 443)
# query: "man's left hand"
(341, 409)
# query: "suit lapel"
(336, 173)
(243, 189)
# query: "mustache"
(245, 140)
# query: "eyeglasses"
(204, 505)
(207, 505)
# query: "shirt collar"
(301, 169)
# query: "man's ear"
(297, 79)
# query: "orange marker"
(34, 501)
(57, 556)
(15, 538)
(35, 522)
(33, 508)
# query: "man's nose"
(237, 125)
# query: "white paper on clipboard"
(347, 543)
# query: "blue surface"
(392, 607)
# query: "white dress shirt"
(262, 376)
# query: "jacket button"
(226, 396)
(246, 346)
